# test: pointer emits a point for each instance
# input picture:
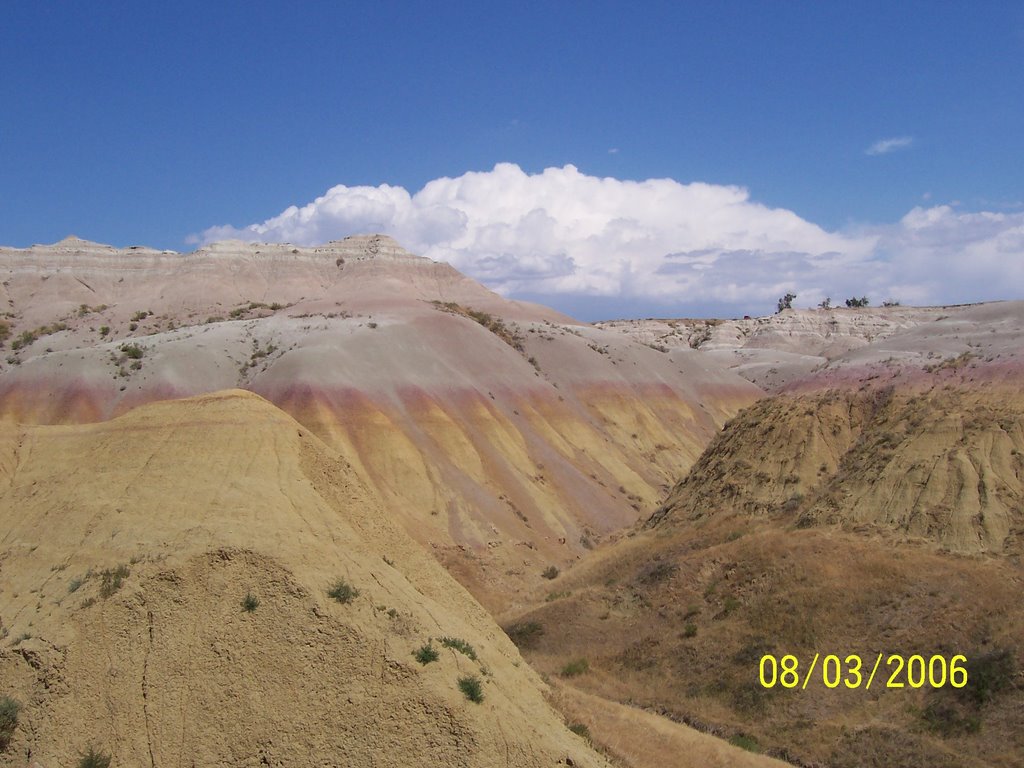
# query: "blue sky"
(166, 124)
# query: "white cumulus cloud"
(659, 241)
(885, 146)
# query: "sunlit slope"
(198, 504)
(507, 437)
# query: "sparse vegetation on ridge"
(94, 759)
(25, 338)
(112, 580)
(459, 645)
(472, 688)
(495, 325)
(9, 710)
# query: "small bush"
(946, 716)
(250, 602)
(551, 572)
(657, 572)
(343, 592)
(525, 634)
(111, 580)
(580, 730)
(743, 741)
(575, 668)
(9, 710)
(74, 585)
(988, 674)
(94, 759)
(690, 630)
(133, 351)
(459, 645)
(470, 686)
(426, 654)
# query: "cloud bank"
(661, 242)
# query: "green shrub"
(580, 730)
(574, 668)
(9, 710)
(551, 572)
(459, 645)
(470, 686)
(94, 759)
(342, 591)
(133, 351)
(250, 602)
(743, 741)
(104, 330)
(988, 674)
(426, 654)
(657, 572)
(690, 630)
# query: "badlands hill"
(775, 350)
(506, 437)
(166, 599)
(874, 504)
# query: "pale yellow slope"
(203, 501)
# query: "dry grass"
(689, 644)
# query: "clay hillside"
(874, 504)
(504, 436)
(205, 582)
